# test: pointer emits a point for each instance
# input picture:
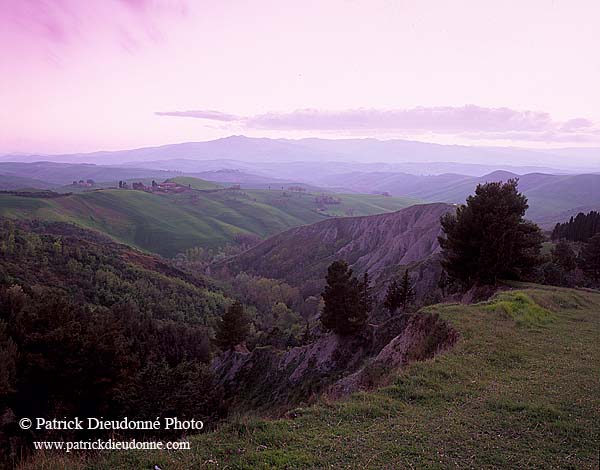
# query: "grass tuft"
(521, 308)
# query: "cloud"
(470, 121)
(551, 136)
(210, 115)
(577, 124)
(432, 119)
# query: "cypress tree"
(406, 292)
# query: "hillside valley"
(380, 244)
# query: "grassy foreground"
(519, 390)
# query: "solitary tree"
(343, 312)
(488, 239)
(233, 327)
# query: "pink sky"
(111, 74)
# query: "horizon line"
(377, 139)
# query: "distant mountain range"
(397, 151)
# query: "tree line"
(580, 228)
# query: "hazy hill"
(45, 175)
(548, 195)
(377, 243)
(9, 182)
(170, 223)
(65, 173)
(312, 170)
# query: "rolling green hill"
(170, 223)
(518, 389)
(194, 183)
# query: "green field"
(194, 183)
(519, 390)
(169, 224)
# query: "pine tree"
(233, 328)
(399, 294)
(343, 312)
(366, 298)
(391, 302)
(488, 239)
(406, 291)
